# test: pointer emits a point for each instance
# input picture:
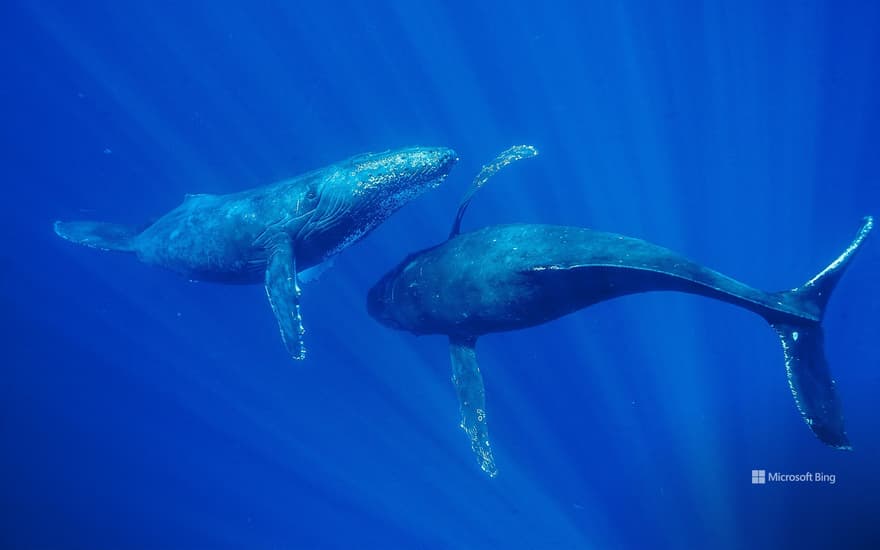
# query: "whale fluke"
(803, 344)
(100, 235)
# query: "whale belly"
(207, 242)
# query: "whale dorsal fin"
(189, 197)
(517, 152)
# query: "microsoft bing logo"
(761, 477)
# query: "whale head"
(381, 303)
(356, 195)
(396, 299)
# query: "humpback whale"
(275, 232)
(509, 277)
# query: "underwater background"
(140, 410)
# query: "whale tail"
(804, 348)
(100, 235)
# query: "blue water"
(139, 410)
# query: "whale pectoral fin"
(472, 400)
(315, 273)
(283, 291)
(508, 156)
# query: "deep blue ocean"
(140, 410)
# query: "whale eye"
(311, 194)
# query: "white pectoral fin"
(283, 291)
(472, 400)
(513, 154)
(315, 273)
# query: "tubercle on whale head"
(415, 160)
(395, 177)
(356, 195)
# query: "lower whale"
(509, 277)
